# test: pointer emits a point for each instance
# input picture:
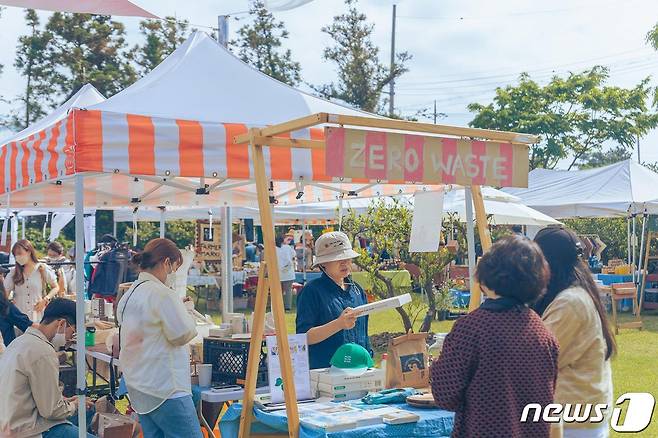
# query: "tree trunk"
(431, 301)
(406, 321)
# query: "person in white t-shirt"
(155, 329)
(286, 256)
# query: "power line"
(547, 70)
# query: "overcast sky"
(462, 49)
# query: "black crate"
(68, 379)
(229, 361)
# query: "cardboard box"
(115, 426)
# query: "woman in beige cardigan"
(572, 310)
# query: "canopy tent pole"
(470, 240)
(80, 304)
(227, 260)
(628, 237)
(278, 311)
(114, 225)
(634, 241)
(23, 228)
(304, 248)
(642, 240)
(162, 222)
(485, 241)
(340, 213)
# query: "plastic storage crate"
(229, 361)
(67, 379)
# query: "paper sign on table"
(427, 220)
(300, 366)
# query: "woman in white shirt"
(28, 281)
(155, 329)
(286, 256)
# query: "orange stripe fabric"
(89, 135)
(39, 156)
(319, 157)
(3, 167)
(52, 162)
(25, 180)
(281, 161)
(190, 148)
(12, 166)
(141, 145)
(237, 155)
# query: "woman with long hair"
(155, 329)
(573, 312)
(29, 281)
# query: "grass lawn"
(635, 368)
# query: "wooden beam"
(290, 142)
(403, 125)
(481, 218)
(485, 241)
(282, 128)
(257, 330)
(278, 310)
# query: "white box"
(324, 375)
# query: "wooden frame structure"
(269, 283)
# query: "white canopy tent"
(610, 191)
(504, 209)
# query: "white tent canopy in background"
(505, 209)
(85, 96)
(603, 192)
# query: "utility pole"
(222, 30)
(391, 102)
(435, 111)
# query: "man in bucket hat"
(325, 305)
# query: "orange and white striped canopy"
(141, 160)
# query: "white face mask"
(22, 260)
(59, 340)
(170, 282)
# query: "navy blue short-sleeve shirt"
(322, 301)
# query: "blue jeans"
(175, 418)
(66, 430)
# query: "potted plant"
(443, 299)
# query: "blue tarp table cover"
(433, 423)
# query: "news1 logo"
(638, 412)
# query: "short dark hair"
(55, 247)
(514, 267)
(59, 308)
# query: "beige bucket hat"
(333, 246)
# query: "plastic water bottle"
(382, 365)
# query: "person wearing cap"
(31, 402)
(573, 312)
(325, 306)
(500, 357)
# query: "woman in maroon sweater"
(500, 357)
